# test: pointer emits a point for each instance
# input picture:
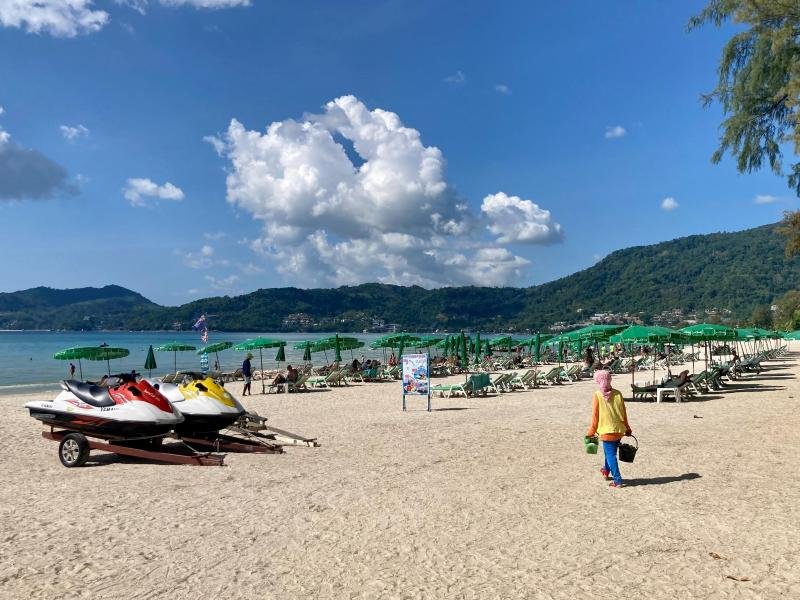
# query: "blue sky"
(412, 142)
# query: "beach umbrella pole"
(261, 358)
(80, 368)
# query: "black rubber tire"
(73, 450)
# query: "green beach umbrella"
(307, 354)
(74, 353)
(216, 348)
(175, 347)
(259, 343)
(478, 347)
(150, 361)
(281, 355)
(338, 348)
(107, 354)
(463, 348)
(90, 353)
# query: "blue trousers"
(611, 465)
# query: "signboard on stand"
(416, 377)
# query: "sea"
(27, 364)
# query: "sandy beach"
(483, 498)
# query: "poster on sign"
(416, 381)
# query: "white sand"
(484, 498)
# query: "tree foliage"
(759, 89)
(759, 82)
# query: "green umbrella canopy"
(257, 343)
(708, 332)
(594, 333)
(463, 348)
(281, 355)
(150, 361)
(175, 347)
(330, 343)
(502, 340)
(426, 341)
(478, 343)
(98, 353)
(218, 347)
(792, 335)
(107, 354)
(642, 334)
(393, 340)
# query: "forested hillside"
(734, 271)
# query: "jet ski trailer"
(252, 434)
(74, 448)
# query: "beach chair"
(644, 391)
(448, 389)
(300, 384)
(527, 379)
(698, 382)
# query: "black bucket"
(627, 452)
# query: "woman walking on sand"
(610, 421)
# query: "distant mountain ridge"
(734, 271)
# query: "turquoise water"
(27, 363)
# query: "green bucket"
(590, 443)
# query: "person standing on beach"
(247, 373)
(72, 370)
(610, 421)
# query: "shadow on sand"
(661, 480)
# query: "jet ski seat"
(89, 393)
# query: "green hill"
(725, 271)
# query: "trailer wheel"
(73, 450)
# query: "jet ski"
(206, 406)
(120, 409)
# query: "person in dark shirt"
(247, 372)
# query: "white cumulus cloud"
(514, 220)
(222, 283)
(614, 132)
(60, 18)
(669, 204)
(138, 190)
(457, 78)
(502, 88)
(387, 215)
(69, 18)
(71, 133)
(210, 4)
(765, 199)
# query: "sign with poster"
(416, 380)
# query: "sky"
(194, 148)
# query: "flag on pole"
(202, 327)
